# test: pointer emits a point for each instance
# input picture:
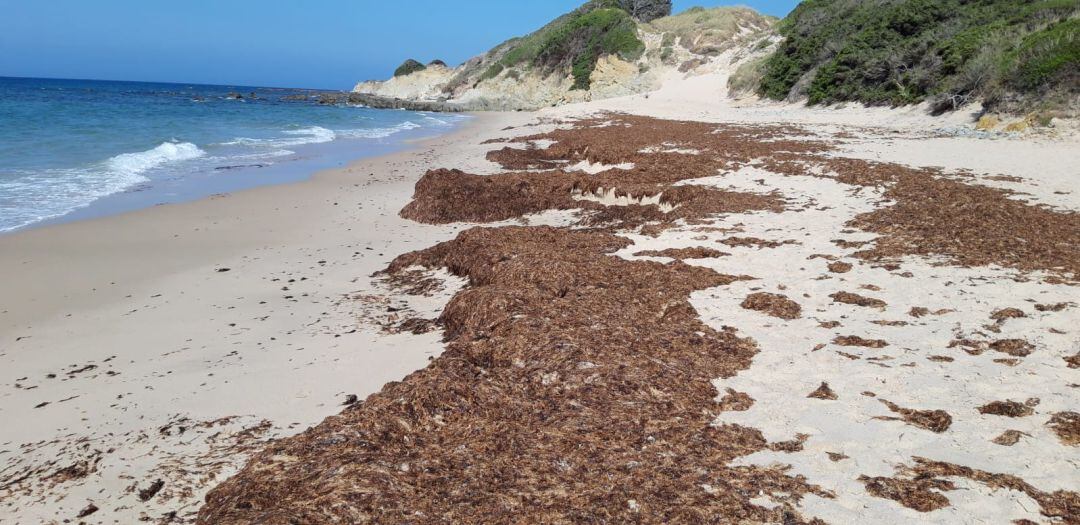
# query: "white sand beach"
(170, 343)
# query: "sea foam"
(134, 164)
(31, 196)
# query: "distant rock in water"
(646, 10)
(409, 67)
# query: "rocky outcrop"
(646, 10)
(378, 102)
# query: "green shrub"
(1048, 54)
(492, 72)
(409, 67)
(907, 51)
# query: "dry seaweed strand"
(854, 340)
(776, 305)
(1010, 437)
(932, 214)
(824, 392)
(696, 252)
(937, 421)
(857, 300)
(840, 267)
(572, 383)
(1008, 408)
(920, 487)
(576, 386)
(1067, 427)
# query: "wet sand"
(117, 332)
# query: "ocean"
(74, 149)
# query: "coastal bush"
(409, 67)
(574, 41)
(894, 52)
(1045, 55)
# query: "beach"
(172, 343)
(182, 314)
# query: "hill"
(602, 49)
(1008, 54)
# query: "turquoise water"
(73, 149)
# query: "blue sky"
(291, 43)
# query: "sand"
(130, 327)
(183, 337)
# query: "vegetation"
(576, 40)
(409, 67)
(747, 77)
(906, 51)
(709, 31)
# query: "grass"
(896, 52)
(707, 31)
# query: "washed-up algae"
(1067, 427)
(857, 300)
(933, 420)
(696, 252)
(773, 304)
(921, 487)
(1008, 408)
(575, 386)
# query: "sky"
(328, 44)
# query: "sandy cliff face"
(688, 43)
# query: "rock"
(437, 62)
(646, 10)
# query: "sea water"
(73, 149)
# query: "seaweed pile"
(934, 214)
(577, 386)
(651, 185)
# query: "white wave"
(378, 133)
(133, 164)
(313, 134)
(309, 135)
(437, 121)
(27, 197)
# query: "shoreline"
(181, 338)
(229, 307)
(304, 160)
